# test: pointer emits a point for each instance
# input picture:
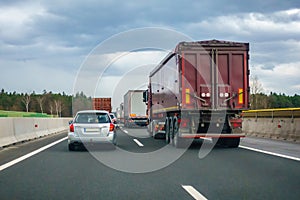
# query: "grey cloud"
(65, 32)
(267, 67)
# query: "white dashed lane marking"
(270, 153)
(11, 163)
(193, 192)
(138, 142)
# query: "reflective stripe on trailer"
(241, 96)
(212, 135)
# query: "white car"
(113, 117)
(91, 126)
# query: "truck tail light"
(226, 95)
(183, 123)
(236, 123)
(71, 127)
(205, 94)
(111, 127)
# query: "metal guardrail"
(273, 113)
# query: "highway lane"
(286, 148)
(238, 173)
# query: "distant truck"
(199, 91)
(102, 104)
(134, 109)
(120, 113)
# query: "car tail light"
(111, 127)
(156, 127)
(162, 128)
(71, 127)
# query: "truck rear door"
(231, 78)
(196, 80)
(215, 77)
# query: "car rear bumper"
(73, 139)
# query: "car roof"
(93, 111)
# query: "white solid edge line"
(270, 153)
(125, 131)
(193, 192)
(138, 142)
(17, 160)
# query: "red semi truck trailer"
(199, 91)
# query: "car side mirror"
(145, 96)
(70, 122)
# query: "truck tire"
(171, 129)
(228, 142)
(167, 130)
(153, 132)
(233, 142)
(177, 141)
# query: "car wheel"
(114, 140)
(71, 147)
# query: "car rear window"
(112, 116)
(92, 118)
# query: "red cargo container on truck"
(198, 91)
(102, 104)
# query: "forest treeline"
(60, 105)
(274, 100)
(56, 104)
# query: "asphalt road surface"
(224, 173)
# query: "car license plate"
(92, 130)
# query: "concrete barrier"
(41, 127)
(24, 129)
(13, 130)
(7, 135)
(282, 124)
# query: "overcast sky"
(43, 44)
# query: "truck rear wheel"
(167, 130)
(153, 131)
(177, 141)
(171, 129)
(233, 142)
(228, 142)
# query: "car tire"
(115, 141)
(71, 147)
